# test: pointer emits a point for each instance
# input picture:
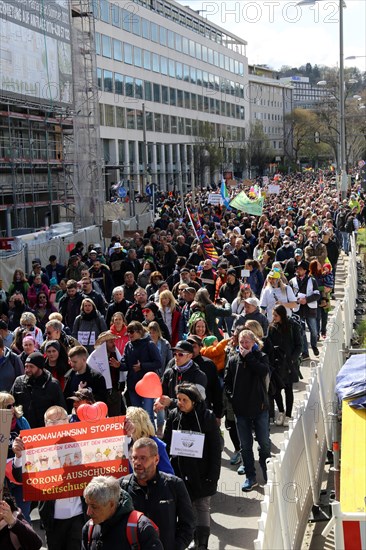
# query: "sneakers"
(241, 470)
(249, 484)
(316, 352)
(304, 356)
(280, 419)
(286, 421)
(236, 458)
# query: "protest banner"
(5, 424)
(273, 189)
(98, 360)
(215, 198)
(59, 461)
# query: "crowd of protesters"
(226, 333)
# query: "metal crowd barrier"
(294, 475)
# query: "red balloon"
(149, 386)
(91, 413)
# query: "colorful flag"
(245, 204)
(206, 244)
(225, 194)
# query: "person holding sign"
(193, 441)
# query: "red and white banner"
(59, 461)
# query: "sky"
(279, 32)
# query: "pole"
(144, 149)
(342, 127)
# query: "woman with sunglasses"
(43, 309)
(27, 324)
(140, 356)
(18, 423)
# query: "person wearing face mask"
(245, 387)
(286, 251)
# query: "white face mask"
(286, 245)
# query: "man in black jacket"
(180, 369)
(36, 390)
(161, 497)
(82, 376)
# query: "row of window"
(268, 116)
(267, 103)
(130, 21)
(139, 26)
(145, 59)
(132, 119)
(135, 88)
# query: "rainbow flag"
(206, 243)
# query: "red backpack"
(131, 529)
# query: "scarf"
(185, 367)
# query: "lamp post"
(342, 128)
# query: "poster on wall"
(59, 461)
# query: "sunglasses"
(10, 406)
(180, 353)
(131, 331)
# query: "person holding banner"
(199, 463)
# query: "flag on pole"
(225, 194)
(245, 204)
(206, 243)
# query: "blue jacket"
(145, 351)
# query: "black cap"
(231, 271)
(184, 346)
(3, 325)
(304, 264)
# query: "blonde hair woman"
(18, 423)
(168, 308)
(137, 425)
(276, 292)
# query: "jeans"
(311, 322)
(289, 396)
(345, 241)
(201, 510)
(244, 425)
(145, 403)
(322, 321)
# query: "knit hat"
(191, 391)
(52, 344)
(85, 394)
(36, 358)
(328, 266)
(231, 271)
(209, 340)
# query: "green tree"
(258, 149)
(208, 157)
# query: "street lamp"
(342, 129)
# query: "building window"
(97, 44)
(180, 125)
(155, 63)
(154, 32)
(171, 39)
(120, 119)
(165, 95)
(101, 114)
(178, 42)
(139, 121)
(171, 68)
(193, 75)
(109, 115)
(147, 60)
(137, 52)
(157, 119)
(187, 100)
(198, 51)
(136, 24)
(138, 88)
(104, 11)
(107, 81)
(194, 102)
(156, 88)
(185, 46)
(172, 96)
(115, 15)
(118, 84)
(117, 50)
(173, 124)
(126, 20)
(99, 78)
(148, 90)
(131, 125)
(145, 27)
(179, 71)
(127, 53)
(166, 126)
(149, 122)
(163, 36)
(179, 98)
(163, 65)
(106, 46)
(129, 86)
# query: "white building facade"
(164, 72)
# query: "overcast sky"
(280, 33)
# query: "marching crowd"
(226, 333)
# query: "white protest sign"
(215, 198)
(187, 444)
(98, 360)
(273, 189)
(5, 423)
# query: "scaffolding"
(35, 173)
(88, 165)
